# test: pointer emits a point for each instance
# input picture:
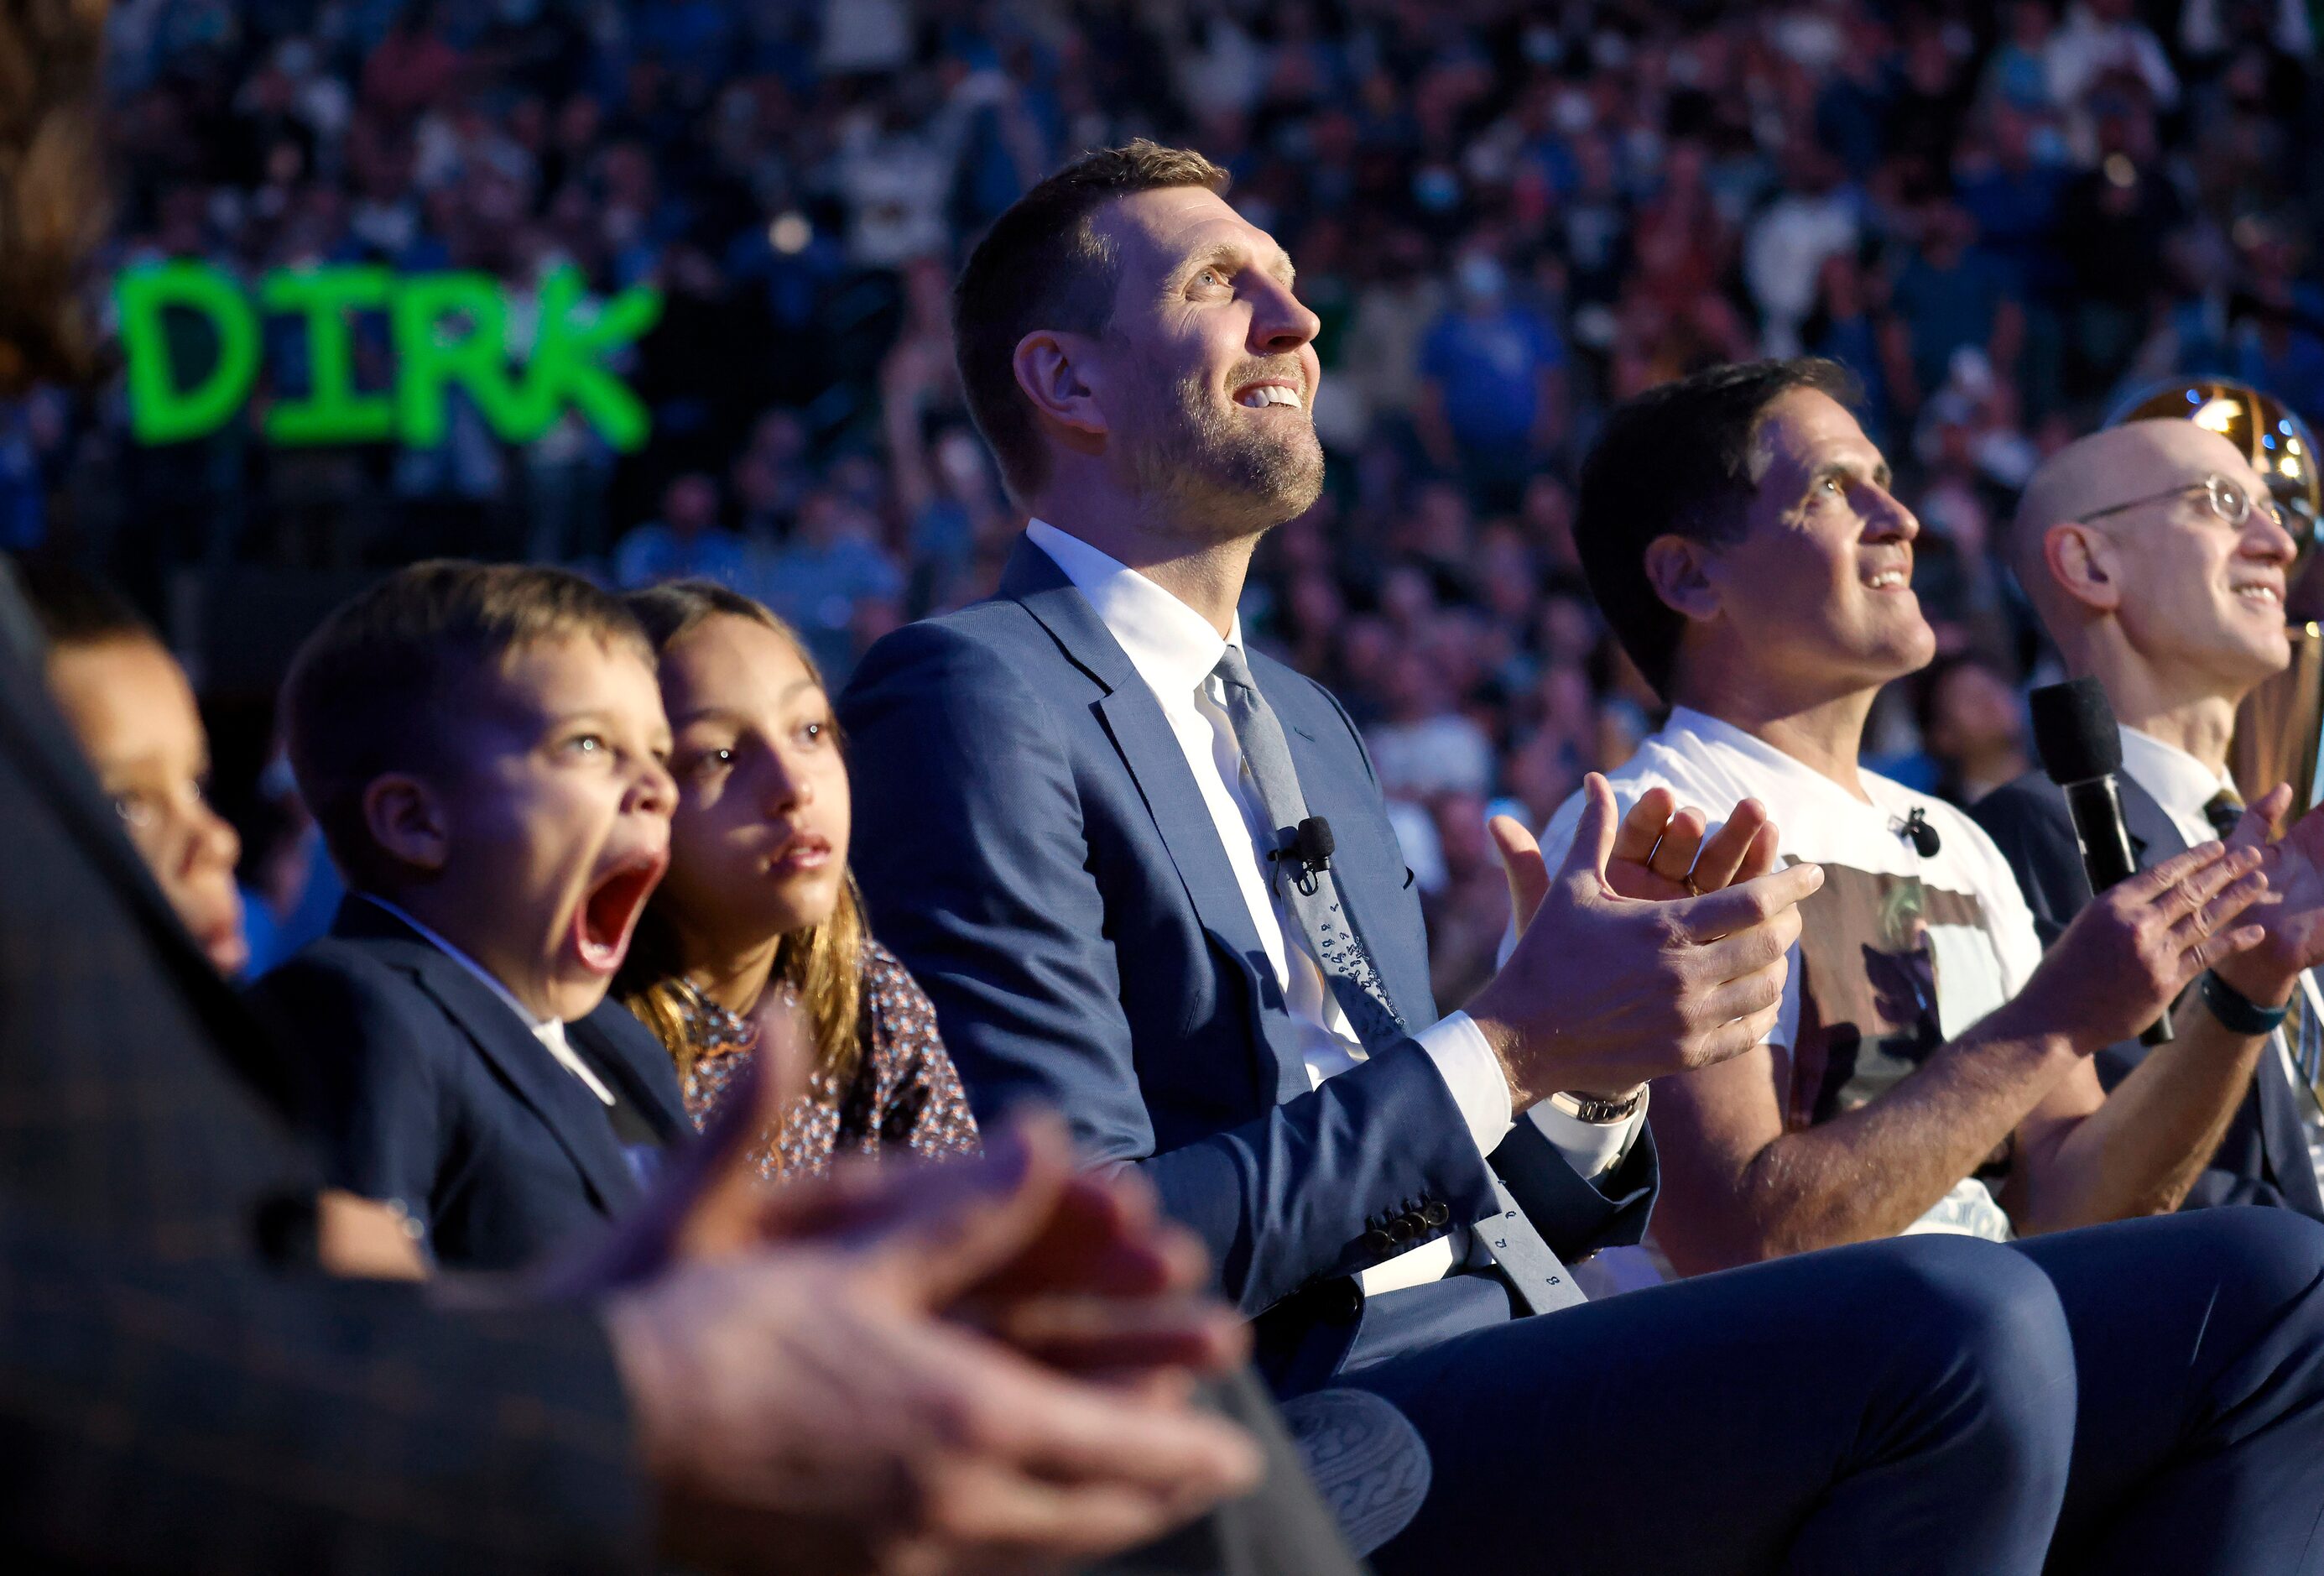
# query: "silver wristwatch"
(1602, 1113)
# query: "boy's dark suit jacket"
(428, 1089)
(171, 1396)
(1034, 847)
(2264, 1158)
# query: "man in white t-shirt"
(1930, 1069)
(2158, 562)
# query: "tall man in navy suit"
(2157, 560)
(1148, 876)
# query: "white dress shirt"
(2183, 785)
(1173, 649)
(549, 1032)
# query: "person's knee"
(1980, 1356)
(1977, 1301)
(2274, 1256)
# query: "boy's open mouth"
(608, 911)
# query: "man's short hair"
(372, 689)
(1044, 266)
(75, 609)
(1680, 459)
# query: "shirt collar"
(1172, 648)
(2179, 782)
(549, 1032)
(1762, 755)
(522, 1014)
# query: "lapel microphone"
(1915, 830)
(1311, 849)
(2080, 745)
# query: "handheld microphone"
(2080, 745)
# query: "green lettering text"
(434, 350)
(161, 410)
(332, 412)
(568, 357)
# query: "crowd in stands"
(871, 1020)
(1507, 215)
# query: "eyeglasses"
(2229, 502)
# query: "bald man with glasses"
(2157, 560)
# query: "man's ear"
(2080, 559)
(408, 821)
(1678, 569)
(1059, 373)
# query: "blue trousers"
(2143, 1397)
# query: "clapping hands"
(984, 1366)
(1622, 972)
(1660, 854)
(2291, 915)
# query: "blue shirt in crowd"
(1488, 367)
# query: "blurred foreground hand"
(983, 1365)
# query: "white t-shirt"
(1898, 953)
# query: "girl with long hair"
(757, 926)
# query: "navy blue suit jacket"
(425, 1088)
(2264, 1158)
(178, 1389)
(1033, 846)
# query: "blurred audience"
(1973, 727)
(687, 542)
(2000, 218)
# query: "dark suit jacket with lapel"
(2264, 1158)
(172, 1396)
(1033, 846)
(425, 1087)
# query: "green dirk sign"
(447, 330)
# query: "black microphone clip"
(1312, 845)
(1915, 830)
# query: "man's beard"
(1208, 473)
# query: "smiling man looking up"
(1079, 810)
(1930, 1070)
(2157, 560)
(1741, 537)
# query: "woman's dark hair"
(823, 964)
(1678, 461)
(52, 204)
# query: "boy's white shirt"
(549, 1032)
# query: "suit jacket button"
(1379, 1241)
(1433, 1213)
(1400, 1228)
(1344, 1303)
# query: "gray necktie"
(1538, 1277)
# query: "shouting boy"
(484, 749)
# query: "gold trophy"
(2280, 724)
